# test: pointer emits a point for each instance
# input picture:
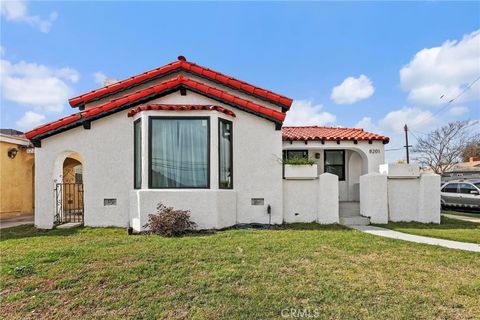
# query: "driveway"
(16, 221)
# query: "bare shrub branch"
(442, 148)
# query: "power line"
(449, 102)
(396, 149)
(464, 90)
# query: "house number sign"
(374, 151)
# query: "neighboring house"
(16, 174)
(191, 138)
(463, 170)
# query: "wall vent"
(258, 201)
(109, 202)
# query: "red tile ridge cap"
(188, 66)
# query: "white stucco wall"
(107, 151)
(210, 209)
(300, 200)
(257, 154)
(373, 197)
(429, 204)
(328, 198)
(402, 196)
(314, 200)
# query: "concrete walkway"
(382, 232)
(463, 218)
(16, 221)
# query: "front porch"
(349, 212)
(346, 162)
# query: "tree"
(443, 147)
(471, 150)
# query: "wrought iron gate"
(68, 202)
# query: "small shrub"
(297, 161)
(169, 222)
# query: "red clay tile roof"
(309, 133)
(187, 66)
(179, 107)
(126, 101)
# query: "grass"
(450, 229)
(236, 274)
(471, 213)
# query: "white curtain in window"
(179, 153)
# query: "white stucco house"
(195, 139)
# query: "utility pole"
(406, 143)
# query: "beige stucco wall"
(16, 181)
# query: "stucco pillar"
(44, 189)
(429, 198)
(373, 197)
(328, 199)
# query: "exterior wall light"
(12, 153)
(317, 155)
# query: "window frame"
(139, 120)
(472, 187)
(150, 121)
(231, 153)
(286, 156)
(450, 184)
(344, 173)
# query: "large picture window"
(225, 154)
(137, 154)
(335, 163)
(179, 152)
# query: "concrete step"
(355, 221)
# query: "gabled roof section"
(134, 99)
(318, 133)
(190, 67)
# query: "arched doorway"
(69, 192)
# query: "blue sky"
(52, 51)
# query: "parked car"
(461, 193)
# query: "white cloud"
(36, 85)
(415, 119)
(16, 10)
(436, 75)
(367, 124)
(352, 90)
(30, 120)
(391, 125)
(458, 110)
(99, 77)
(304, 112)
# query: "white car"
(460, 193)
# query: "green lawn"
(474, 214)
(450, 229)
(237, 274)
